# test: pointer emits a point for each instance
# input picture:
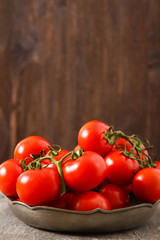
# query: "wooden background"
(65, 62)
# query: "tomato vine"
(138, 145)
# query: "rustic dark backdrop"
(65, 62)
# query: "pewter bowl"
(95, 221)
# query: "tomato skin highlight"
(9, 173)
(77, 149)
(116, 195)
(146, 185)
(30, 145)
(88, 201)
(84, 173)
(120, 169)
(90, 137)
(38, 186)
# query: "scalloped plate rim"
(36, 208)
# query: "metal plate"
(98, 220)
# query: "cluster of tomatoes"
(105, 170)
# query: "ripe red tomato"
(124, 143)
(9, 172)
(84, 173)
(146, 185)
(62, 154)
(30, 145)
(90, 137)
(116, 195)
(120, 169)
(37, 187)
(88, 201)
(158, 164)
(63, 201)
(127, 188)
(58, 157)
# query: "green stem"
(61, 160)
(36, 164)
(63, 186)
(59, 167)
(112, 137)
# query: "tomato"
(128, 188)
(84, 173)
(62, 154)
(37, 187)
(58, 157)
(30, 145)
(18, 200)
(116, 195)
(146, 185)
(120, 169)
(9, 172)
(91, 137)
(63, 201)
(124, 143)
(88, 201)
(158, 164)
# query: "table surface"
(12, 228)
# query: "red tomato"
(120, 169)
(9, 172)
(84, 173)
(62, 154)
(90, 137)
(128, 188)
(27, 161)
(158, 164)
(18, 199)
(116, 195)
(88, 201)
(49, 164)
(146, 185)
(63, 201)
(124, 143)
(58, 157)
(37, 187)
(30, 145)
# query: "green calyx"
(37, 159)
(137, 152)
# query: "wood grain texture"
(65, 62)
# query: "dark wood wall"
(65, 62)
